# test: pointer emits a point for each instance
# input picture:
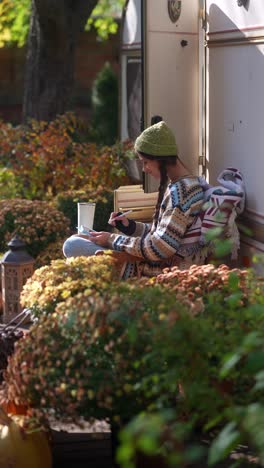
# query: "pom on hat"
(157, 140)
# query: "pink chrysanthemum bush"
(54, 283)
(37, 223)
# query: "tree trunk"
(54, 29)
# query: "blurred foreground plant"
(118, 349)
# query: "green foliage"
(210, 398)
(103, 18)
(10, 184)
(226, 441)
(38, 223)
(246, 420)
(220, 244)
(104, 121)
(144, 434)
(15, 17)
(14, 22)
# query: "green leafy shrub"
(228, 399)
(38, 223)
(10, 185)
(244, 421)
(104, 121)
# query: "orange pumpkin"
(20, 448)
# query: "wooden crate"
(133, 197)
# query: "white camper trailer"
(201, 65)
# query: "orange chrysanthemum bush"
(54, 283)
(46, 159)
(37, 223)
(194, 285)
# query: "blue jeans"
(78, 246)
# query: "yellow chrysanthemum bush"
(37, 223)
(54, 283)
(83, 362)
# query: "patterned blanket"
(223, 204)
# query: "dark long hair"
(164, 161)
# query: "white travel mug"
(86, 215)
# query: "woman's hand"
(121, 218)
(99, 238)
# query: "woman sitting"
(169, 239)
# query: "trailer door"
(235, 110)
(171, 71)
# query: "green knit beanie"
(157, 140)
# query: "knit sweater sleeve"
(179, 206)
(134, 228)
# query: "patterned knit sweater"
(168, 242)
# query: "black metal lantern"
(17, 266)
